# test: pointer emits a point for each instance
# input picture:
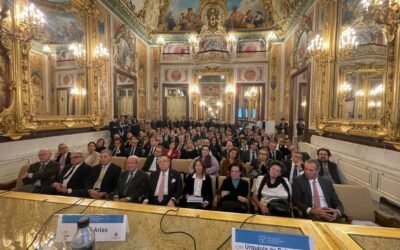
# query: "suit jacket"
(174, 187)
(121, 152)
(137, 151)
(46, 177)
(78, 179)
(302, 195)
(241, 190)
(147, 150)
(206, 188)
(137, 186)
(108, 183)
(245, 156)
(67, 159)
(278, 155)
(333, 170)
(288, 165)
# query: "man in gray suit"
(315, 196)
(132, 184)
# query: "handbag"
(279, 207)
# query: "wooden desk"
(23, 214)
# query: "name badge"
(105, 227)
(252, 239)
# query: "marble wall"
(14, 155)
(375, 168)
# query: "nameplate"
(105, 227)
(263, 240)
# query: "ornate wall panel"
(142, 78)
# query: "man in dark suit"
(41, 174)
(63, 156)
(72, 177)
(151, 163)
(273, 152)
(132, 184)
(102, 180)
(165, 185)
(329, 169)
(294, 166)
(134, 148)
(118, 149)
(251, 154)
(149, 150)
(315, 197)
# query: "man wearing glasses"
(151, 163)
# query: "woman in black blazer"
(234, 191)
(198, 184)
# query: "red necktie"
(161, 188)
(316, 201)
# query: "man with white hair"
(41, 174)
(72, 176)
(132, 184)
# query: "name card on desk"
(106, 227)
(263, 240)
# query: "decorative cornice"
(302, 8)
(122, 12)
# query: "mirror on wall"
(362, 62)
(57, 64)
(212, 97)
(249, 102)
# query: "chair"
(220, 181)
(24, 169)
(142, 160)
(181, 165)
(120, 161)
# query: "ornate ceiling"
(183, 16)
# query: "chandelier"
(348, 43)
(318, 48)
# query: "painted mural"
(36, 64)
(250, 46)
(142, 79)
(183, 15)
(4, 81)
(176, 48)
(367, 31)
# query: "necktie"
(132, 151)
(316, 201)
(69, 173)
(295, 172)
(254, 156)
(160, 197)
(128, 180)
(62, 161)
(151, 151)
(101, 176)
(42, 166)
(273, 155)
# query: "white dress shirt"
(198, 184)
(322, 200)
(69, 174)
(165, 183)
(153, 166)
(299, 172)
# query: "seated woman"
(100, 145)
(232, 158)
(210, 164)
(93, 157)
(171, 152)
(259, 166)
(234, 191)
(272, 193)
(197, 185)
(189, 152)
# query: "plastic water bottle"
(84, 237)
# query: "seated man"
(151, 164)
(165, 185)
(329, 169)
(314, 196)
(63, 156)
(294, 166)
(251, 154)
(41, 174)
(102, 180)
(72, 177)
(132, 184)
(134, 148)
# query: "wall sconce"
(360, 93)
(230, 89)
(202, 103)
(100, 55)
(194, 90)
(345, 87)
(318, 49)
(377, 90)
(271, 37)
(232, 39)
(219, 104)
(79, 52)
(46, 49)
(30, 22)
(348, 43)
(78, 92)
(160, 41)
(385, 12)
